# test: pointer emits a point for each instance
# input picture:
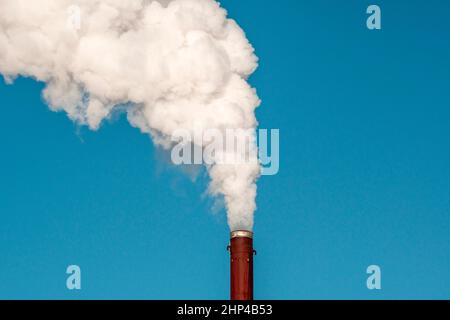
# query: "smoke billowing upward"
(174, 64)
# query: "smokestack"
(241, 265)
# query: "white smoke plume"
(172, 64)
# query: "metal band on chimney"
(241, 234)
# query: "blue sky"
(364, 119)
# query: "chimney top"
(241, 234)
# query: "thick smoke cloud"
(173, 64)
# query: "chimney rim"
(241, 234)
